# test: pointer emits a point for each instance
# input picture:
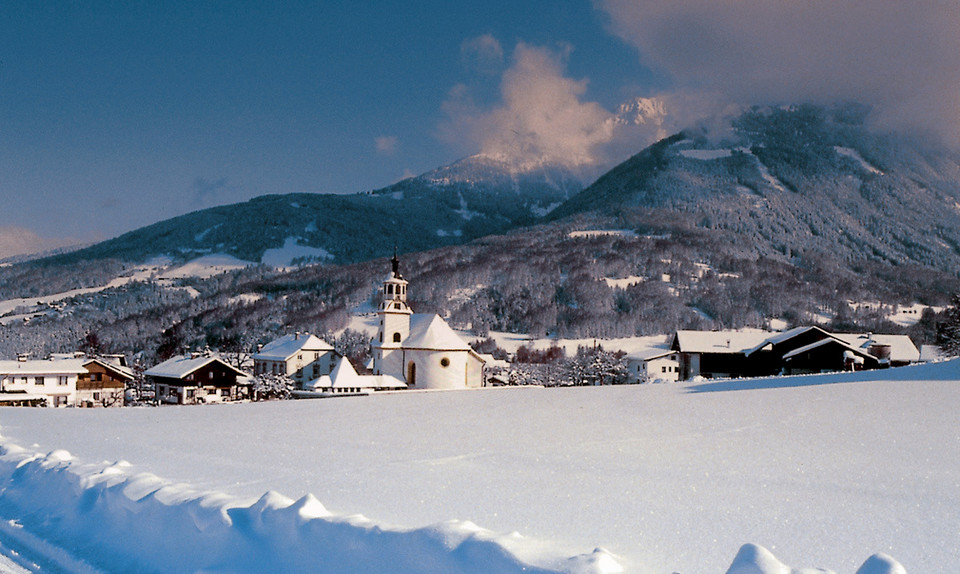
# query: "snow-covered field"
(820, 471)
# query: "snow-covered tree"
(268, 386)
(948, 331)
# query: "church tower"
(394, 325)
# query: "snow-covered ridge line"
(116, 520)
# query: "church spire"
(395, 262)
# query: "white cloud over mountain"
(901, 57)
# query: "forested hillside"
(789, 214)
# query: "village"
(417, 351)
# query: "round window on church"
(444, 362)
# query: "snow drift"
(117, 521)
(821, 470)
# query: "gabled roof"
(902, 348)
(54, 367)
(182, 365)
(718, 341)
(828, 341)
(345, 376)
(289, 345)
(650, 354)
(430, 332)
(124, 372)
(786, 336)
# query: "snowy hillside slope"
(822, 471)
(798, 183)
(473, 197)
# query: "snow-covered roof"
(182, 365)
(931, 353)
(345, 376)
(428, 331)
(719, 341)
(902, 348)
(785, 336)
(55, 367)
(650, 354)
(110, 365)
(827, 341)
(289, 345)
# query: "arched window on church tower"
(396, 337)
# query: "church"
(420, 348)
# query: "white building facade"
(420, 349)
(54, 380)
(301, 356)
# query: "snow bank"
(115, 520)
(753, 559)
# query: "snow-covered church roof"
(287, 346)
(429, 332)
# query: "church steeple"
(394, 296)
(394, 321)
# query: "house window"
(316, 356)
(210, 375)
(396, 337)
(412, 374)
(224, 392)
(191, 393)
(96, 396)
(23, 380)
(39, 381)
(211, 391)
(444, 362)
(663, 369)
(60, 400)
(300, 357)
(94, 376)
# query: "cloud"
(541, 118)
(903, 58)
(386, 145)
(19, 241)
(483, 55)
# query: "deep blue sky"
(114, 115)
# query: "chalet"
(55, 381)
(420, 349)
(812, 350)
(344, 380)
(800, 350)
(653, 366)
(715, 354)
(198, 378)
(103, 383)
(300, 356)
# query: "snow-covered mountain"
(473, 197)
(797, 183)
